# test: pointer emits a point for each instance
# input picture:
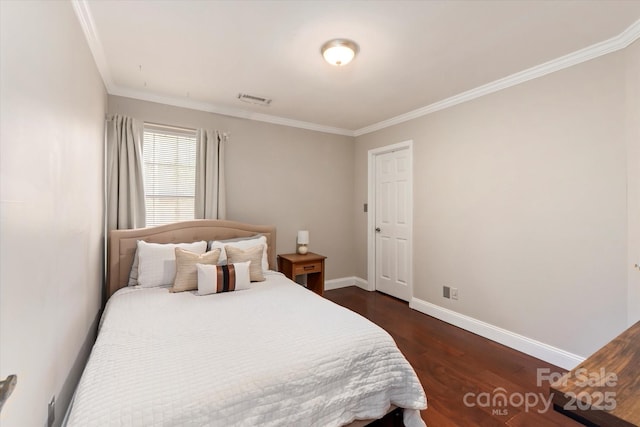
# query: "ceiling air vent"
(252, 99)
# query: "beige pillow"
(186, 270)
(253, 254)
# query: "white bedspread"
(272, 355)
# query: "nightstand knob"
(377, 229)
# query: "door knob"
(377, 229)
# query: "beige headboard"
(123, 243)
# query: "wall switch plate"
(446, 292)
(51, 411)
(454, 293)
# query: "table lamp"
(303, 241)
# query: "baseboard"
(363, 284)
(529, 346)
(343, 282)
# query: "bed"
(274, 354)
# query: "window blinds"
(170, 174)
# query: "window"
(169, 174)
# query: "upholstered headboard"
(123, 243)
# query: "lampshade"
(303, 237)
(339, 52)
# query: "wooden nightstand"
(292, 265)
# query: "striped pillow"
(214, 279)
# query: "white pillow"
(157, 261)
(212, 278)
(235, 239)
(242, 244)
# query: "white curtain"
(125, 185)
(210, 185)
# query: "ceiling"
(413, 54)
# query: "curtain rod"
(160, 125)
(170, 127)
(225, 135)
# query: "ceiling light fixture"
(339, 52)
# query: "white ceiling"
(413, 54)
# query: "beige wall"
(633, 170)
(292, 178)
(52, 111)
(520, 202)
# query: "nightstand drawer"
(315, 267)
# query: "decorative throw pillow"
(157, 262)
(243, 243)
(213, 279)
(253, 254)
(186, 271)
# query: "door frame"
(371, 210)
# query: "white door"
(393, 223)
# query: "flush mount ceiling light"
(339, 52)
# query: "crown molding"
(621, 41)
(226, 111)
(613, 44)
(81, 8)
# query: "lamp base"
(302, 249)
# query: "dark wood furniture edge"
(621, 356)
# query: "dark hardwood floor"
(453, 363)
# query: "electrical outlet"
(454, 293)
(51, 411)
(445, 292)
